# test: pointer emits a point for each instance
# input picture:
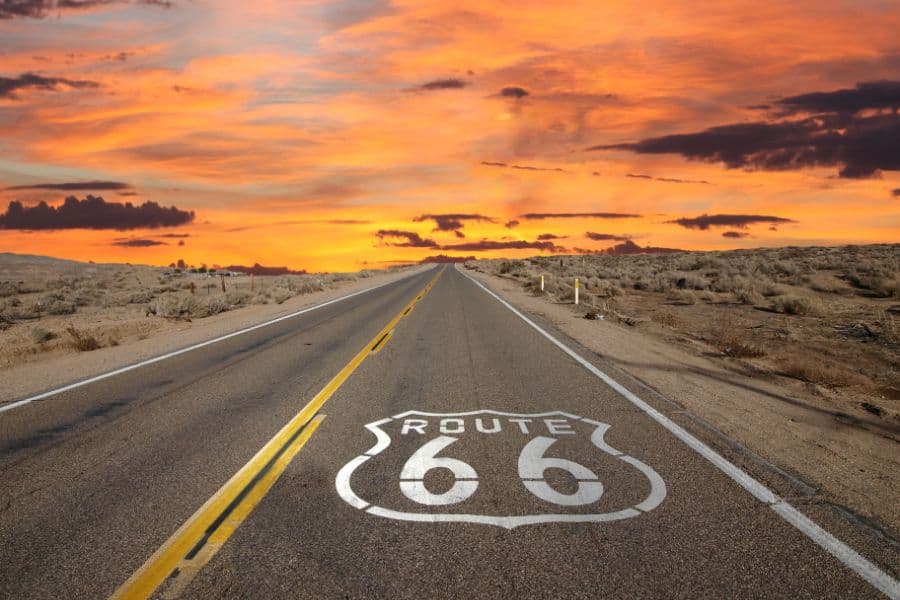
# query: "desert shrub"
(309, 285)
(815, 370)
(731, 338)
(708, 296)
(238, 297)
(39, 335)
(178, 306)
(215, 305)
(749, 296)
(770, 291)
(8, 288)
(82, 340)
(511, 266)
(60, 307)
(665, 318)
(683, 297)
(790, 304)
(281, 294)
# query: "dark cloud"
(606, 237)
(514, 223)
(174, 235)
(513, 92)
(451, 222)
(704, 222)
(550, 236)
(488, 163)
(38, 9)
(76, 186)
(629, 247)
(131, 193)
(443, 84)
(504, 245)
(845, 134)
(413, 239)
(735, 234)
(10, 85)
(93, 213)
(896, 193)
(636, 176)
(138, 243)
(586, 215)
(443, 258)
(873, 95)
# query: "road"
(418, 440)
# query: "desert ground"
(792, 352)
(63, 320)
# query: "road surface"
(418, 440)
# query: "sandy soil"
(848, 454)
(124, 330)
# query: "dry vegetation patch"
(822, 316)
(50, 306)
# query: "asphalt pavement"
(419, 440)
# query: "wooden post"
(223, 283)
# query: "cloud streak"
(9, 86)
(578, 215)
(705, 222)
(93, 186)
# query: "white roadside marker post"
(542, 283)
(576, 291)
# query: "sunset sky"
(340, 135)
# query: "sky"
(357, 134)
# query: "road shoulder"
(829, 460)
(35, 377)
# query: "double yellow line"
(173, 566)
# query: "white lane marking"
(880, 580)
(156, 359)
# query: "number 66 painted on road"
(532, 465)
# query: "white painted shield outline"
(342, 482)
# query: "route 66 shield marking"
(536, 444)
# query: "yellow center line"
(200, 537)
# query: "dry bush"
(238, 297)
(749, 296)
(665, 318)
(681, 297)
(178, 306)
(731, 338)
(82, 340)
(816, 370)
(39, 335)
(790, 304)
(8, 288)
(281, 294)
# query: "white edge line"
(851, 559)
(17, 403)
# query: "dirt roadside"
(850, 462)
(22, 380)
